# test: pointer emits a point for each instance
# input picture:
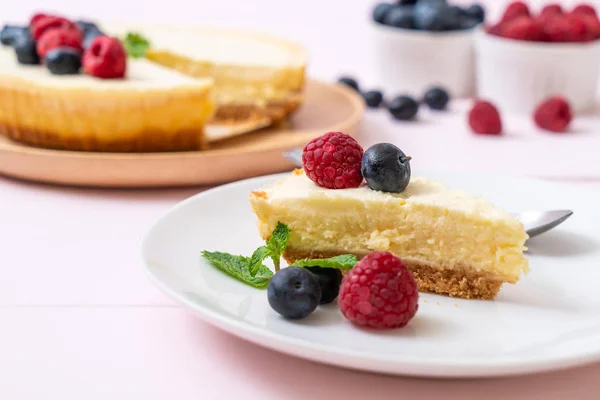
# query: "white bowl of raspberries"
(527, 57)
(419, 43)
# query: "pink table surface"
(81, 321)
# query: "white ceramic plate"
(549, 320)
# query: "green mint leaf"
(238, 267)
(256, 261)
(344, 261)
(278, 242)
(135, 44)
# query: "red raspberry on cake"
(36, 18)
(54, 38)
(333, 161)
(46, 23)
(484, 118)
(515, 10)
(379, 292)
(553, 114)
(105, 58)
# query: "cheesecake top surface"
(219, 45)
(420, 191)
(142, 74)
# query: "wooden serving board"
(327, 108)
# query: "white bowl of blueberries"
(420, 43)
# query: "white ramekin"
(411, 61)
(518, 75)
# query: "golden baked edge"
(83, 119)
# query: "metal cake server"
(535, 222)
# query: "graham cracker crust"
(464, 283)
(144, 142)
(276, 111)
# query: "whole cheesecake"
(455, 243)
(151, 109)
(184, 80)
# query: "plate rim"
(361, 360)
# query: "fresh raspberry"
(333, 161)
(36, 18)
(515, 10)
(54, 38)
(484, 118)
(495, 30)
(551, 9)
(547, 14)
(379, 292)
(49, 22)
(567, 28)
(553, 114)
(523, 28)
(585, 9)
(592, 26)
(105, 58)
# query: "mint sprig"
(344, 261)
(278, 242)
(252, 271)
(136, 45)
(237, 267)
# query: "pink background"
(81, 321)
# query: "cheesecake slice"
(255, 76)
(454, 243)
(151, 109)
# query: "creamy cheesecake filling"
(427, 223)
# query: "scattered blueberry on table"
(404, 108)
(350, 82)
(428, 15)
(436, 98)
(373, 98)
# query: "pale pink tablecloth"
(81, 321)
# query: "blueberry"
(380, 11)
(25, 48)
(10, 33)
(451, 17)
(436, 98)
(63, 61)
(90, 35)
(403, 108)
(373, 98)
(428, 15)
(350, 82)
(400, 17)
(386, 168)
(86, 26)
(476, 12)
(294, 292)
(468, 23)
(329, 281)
